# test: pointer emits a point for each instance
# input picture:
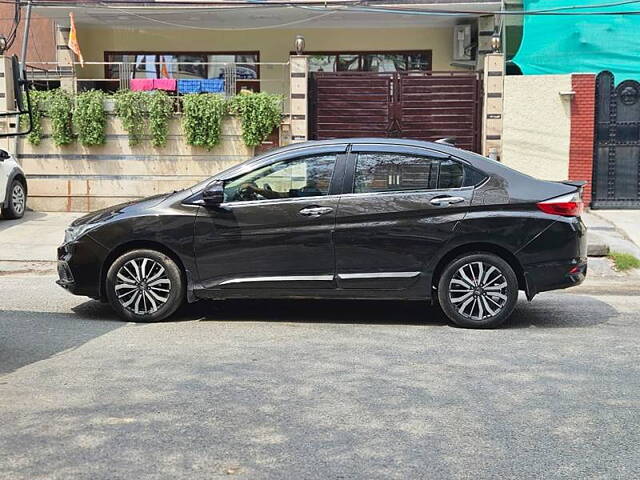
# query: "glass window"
(302, 177)
(389, 172)
(370, 62)
(451, 174)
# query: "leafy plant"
(160, 111)
(202, 122)
(37, 97)
(60, 110)
(131, 108)
(89, 118)
(259, 114)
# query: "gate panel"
(415, 105)
(617, 152)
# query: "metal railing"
(272, 77)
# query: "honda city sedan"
(340, 219)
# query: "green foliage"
(37, 97)
(89, 118)
(160, 111)
(60, 110)
(624, 261)
(259, 114)
(131, 108)
(202, 121)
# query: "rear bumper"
(554, 276)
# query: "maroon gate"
(417, 105)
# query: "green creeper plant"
(160, 111)
(131, 108)
(37, 97)
(60, 111)
(202, 122)
(89, 118)
(259, 114)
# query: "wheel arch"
(148, 245)
(16, 174)
(476, 247)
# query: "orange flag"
(164, 72)
(73, 44)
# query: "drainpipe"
(23, 67)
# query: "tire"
(17, 194)
(470, 303)
(145, 286)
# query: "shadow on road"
(28, 216)
(27, 337)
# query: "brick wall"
(583, 111)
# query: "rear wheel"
(17, 201)
(145, 286)
(478, 290)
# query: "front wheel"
(17, 201)
(145, 286)
(478, 290)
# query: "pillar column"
(299, 102)
(65, 59)
(493, 103)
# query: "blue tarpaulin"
(555, 44)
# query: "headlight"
(71, 234)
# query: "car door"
(281, 238)
(400, 207)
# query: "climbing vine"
(60, 111)
(89, 118)
(202, 122)
(259, 114)
(131, 108)
(160, 111)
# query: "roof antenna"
(447, 141)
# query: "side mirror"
(4, 155)
(213, 194)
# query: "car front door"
(403, 206)
(274, 229)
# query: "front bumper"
(79, 267)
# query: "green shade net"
(555, 44)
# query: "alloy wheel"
(478, 290)
(142, 286)
(18, 199)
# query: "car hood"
(123, 208)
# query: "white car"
(13, 187)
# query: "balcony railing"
(272, 77)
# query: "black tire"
(478, 290)
(17, 195)
(137, 282)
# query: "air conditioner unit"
(462, 48)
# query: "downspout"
(23, 67)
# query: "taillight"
(567, 205)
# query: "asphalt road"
(317, 390)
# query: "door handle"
(444, 201)
(315, 211)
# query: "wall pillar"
(493, 80)
(7, 101)
(583, 114)
(65, 59)
(299, 101)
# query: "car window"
(301, 177)
(389, 172)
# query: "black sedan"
(358, 219)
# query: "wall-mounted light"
(496, 42)
(3, 44)
(299, 44)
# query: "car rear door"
(400, 206)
